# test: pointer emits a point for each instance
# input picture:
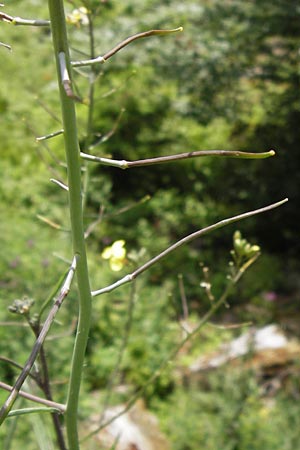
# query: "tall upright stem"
(93, 75)
(60, 45)
(91, 102)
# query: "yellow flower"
(116, 254)
(264, 412)
(78, 17)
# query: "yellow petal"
(116, 264)
(118, 250)
(107, 253)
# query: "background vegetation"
(230, 81)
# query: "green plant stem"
(93, 76)
(91, 103)
(60, 45)
(23, 411)
(123, 164)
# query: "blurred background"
(229, 81)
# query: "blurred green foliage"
(230, 81)
(227, 410)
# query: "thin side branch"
(60, 184)
(35, 398)
(49, 222)
(109, 134)
(38, 344)
(5, 46)
(117, 48)
(49, 136)
(18, 366)
(21, 412)
(123, 164)
(19, 21)
(88, 62)
(183, 241)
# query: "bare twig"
(88, 62)
(101, 216)
(49, 222)
(35, 398)
(117, 48)
(10, 323)
(49, 111)
(38, 344)
(123, 164)
(19, 21)
(60, 184)
(19, 366)
(184, 241)
(5, 46)
(110, 133)
(49, 136)
(94, 224)
(45, 145)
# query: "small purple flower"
(270, 296)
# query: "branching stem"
(117, 48)
(37, 346)
(19, 21)
(34, 398)
(123, 164)
(189, 336)
(61, 47)
(184, 241)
